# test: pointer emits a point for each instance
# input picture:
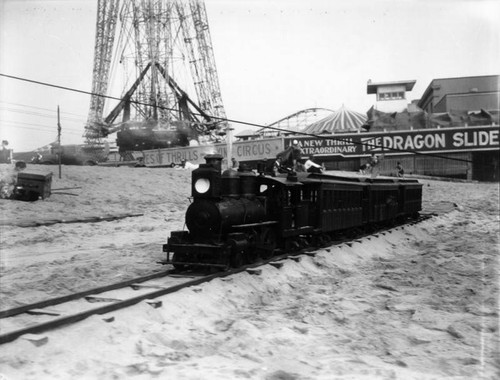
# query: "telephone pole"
(59, 140)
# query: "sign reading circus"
(344, 145)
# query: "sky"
(273, 57)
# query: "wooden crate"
(31, 185)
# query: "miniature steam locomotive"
(239, 217)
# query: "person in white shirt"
(311, 166)
(186, 165)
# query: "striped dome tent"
(342, 120)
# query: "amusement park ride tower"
(162, 67)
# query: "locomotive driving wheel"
(252, 254)
(267, 244)
(236, 259)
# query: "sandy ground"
(419, 303)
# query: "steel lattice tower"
(105, 35)
(164, 65)
(199, 43)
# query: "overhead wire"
(220, 119)
(31, 113)
(38, 127)
(43, 109)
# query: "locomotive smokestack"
(215, 160)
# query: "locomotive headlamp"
(202, 185)
(206, 180)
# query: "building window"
(391, 95)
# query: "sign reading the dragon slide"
(432, 140)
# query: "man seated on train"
(289, 159)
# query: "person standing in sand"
(8, 180)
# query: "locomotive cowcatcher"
(239, 217)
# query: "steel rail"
(61, 321)
(71, 297)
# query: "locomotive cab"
(291, 203)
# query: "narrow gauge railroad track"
(127, 293)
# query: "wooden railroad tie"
(180, 275)
(96, 298)
(142, 286)
(154, 303)
(53, 313)
(255, 272)
(37, 339)
(276, 264)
